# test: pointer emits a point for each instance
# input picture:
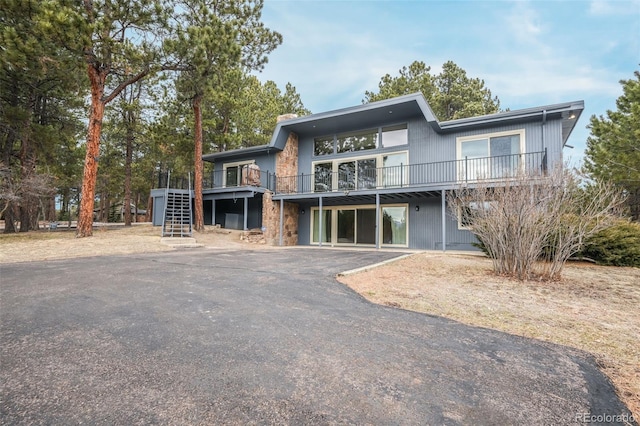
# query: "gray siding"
(425, 225)
(427, 146)
(265, 161)
(158, 206)
(553, 142)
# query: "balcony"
(434, 175)
(437, 174)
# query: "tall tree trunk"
(90, 174)
(51, 209)
(25, 218)
(148, 217)
(27, 169)
(130, 123)
(10, 219)
(198, 221)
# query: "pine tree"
(451, 94)
(613, 148)
(213, 38)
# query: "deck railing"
(467, 170)
(411, 175)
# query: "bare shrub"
(23, 192)
(532, 223)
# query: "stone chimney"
(286, 170)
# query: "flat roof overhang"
(362, 197)
(231, 193)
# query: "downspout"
(544, 121)
(544, 146)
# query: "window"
(362, 172)
(323, 177)
(490, 156)
(356, 225)
(346, 226)
(323, 146)
(232, 173)
(326, 226)
(384, 137)
(395, 173)
(467, 213)
(367, 173)
(395, 136)
(350, 142)
(394, 225)
(346, 175)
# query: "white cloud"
(524, 23)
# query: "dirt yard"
(594, 308)
(106, 240)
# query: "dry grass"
(111, 240)
(593, 308)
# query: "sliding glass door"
(326, 226)
(356, 225)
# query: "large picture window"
(490, 156)
(360, 173)
(382, 137)
(358, 141)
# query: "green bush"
(618, 245)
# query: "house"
(377, 174)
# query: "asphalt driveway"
(263, 337)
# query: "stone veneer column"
(286, 170)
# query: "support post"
(320, 217)
(377, 227)
(281, 221)
(444, 221)
(213, 212)
(246, 212)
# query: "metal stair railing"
(177, 212)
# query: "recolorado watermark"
(605, 418)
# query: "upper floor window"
(359, 173)
(323, 146)
(358, 141)
(490, 156)
(395, 136)
(233, 173)
(384, 137)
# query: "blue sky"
(529, 53)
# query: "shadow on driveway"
(264, 337)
